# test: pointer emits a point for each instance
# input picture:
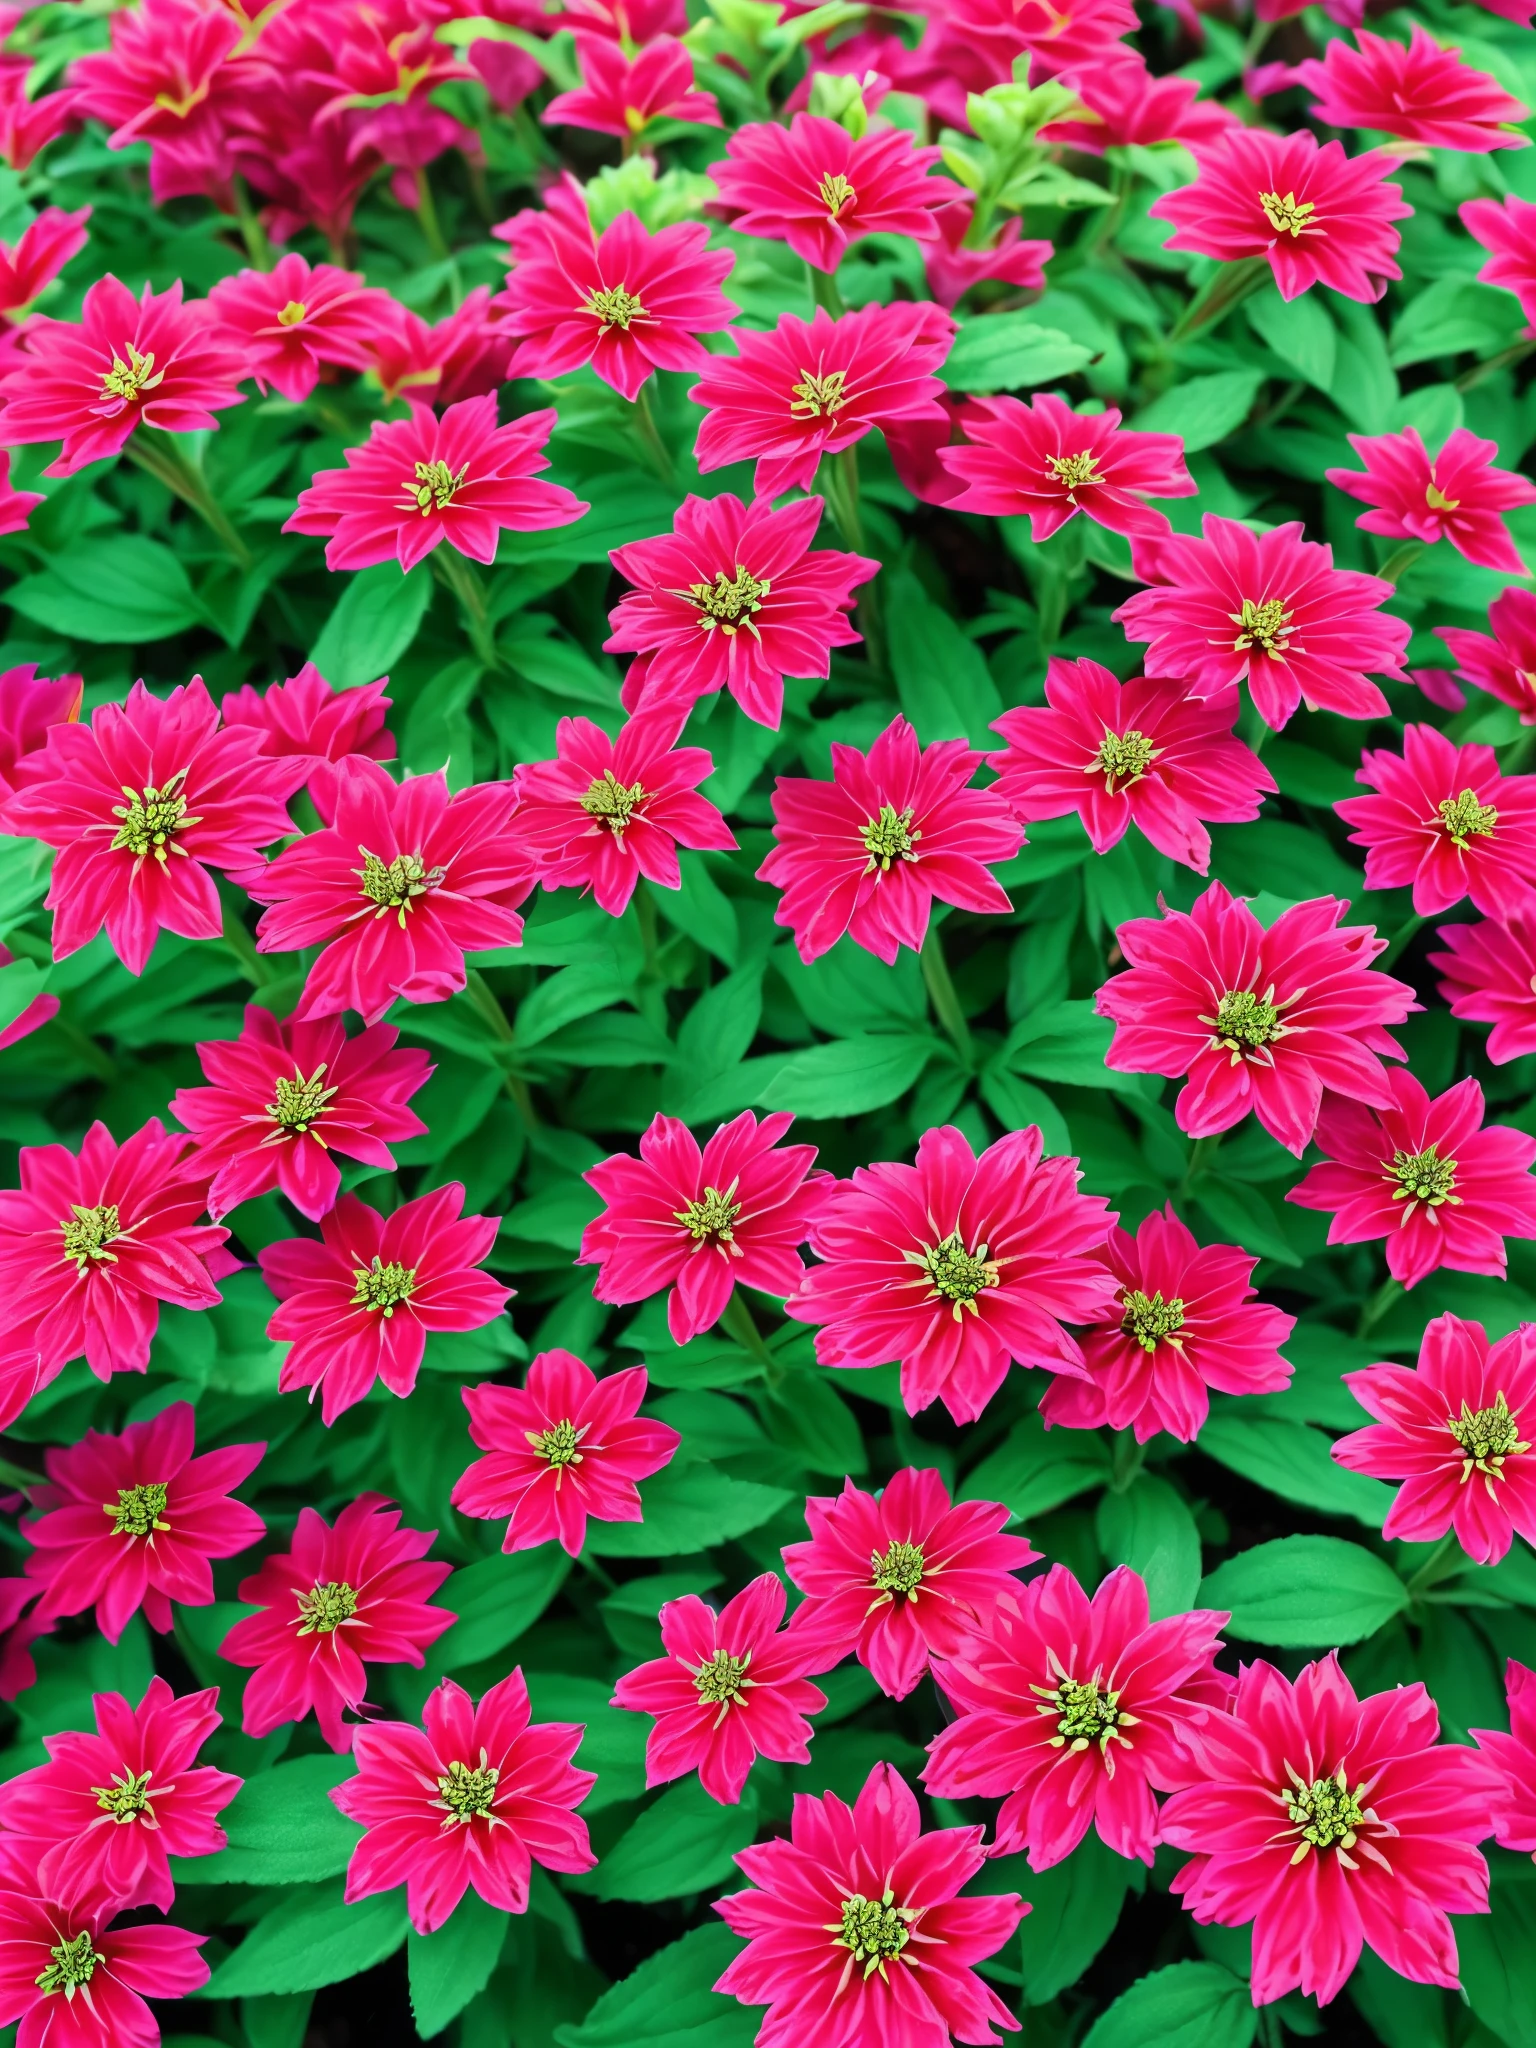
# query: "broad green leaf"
(614, 1742)
(1073, 1908)
(1455, 316)
(1295, 1461)
(941, 677)
(311, 1938)
(1300, 333)
(119, 590)
(1190, 2005)
(849, 1076)
(1036, 1469)
(376, 619)
(1010, 352)
(687, 1508)
(681, 1845)
(1305, 1593)
(283, 1828)
(21, 983)
(670, 2001)
(452, 1966)
(1150, 1528)
(1202, 410)
(1498, 1963)
(495, 1600)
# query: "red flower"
(343, 1597)
(1513, 1757)
(1456, 495)
(700, 1222)
(957, 1266)
(565, 1446)
(812, 388)
(357, 1306)
(415, 483)
(1423, 93)
(1507, 230)
(71, 1981)
(1185, 1319)
(902, 1576)
(1270, 607)
(30, 705)
(856, 1933)
(868, 852)
(1505, 664)
(618, 96)
(130, 359)
(1139, 753)
(505, 1794)
(605, 812)
(290, 320)
(307, 718)
(951, 266)
(27, 126)
(439, 877)
(1045, 460)
(1260, 1020)
(38, 256)
(285, 1097)
(732, 1687)
(1490, 978)
(157, 80)
(463, 356)
(1126, 106)
(135, 1521)
(733, 598)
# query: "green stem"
(738, 1321)
(459, 574)
(254, 235)
(1258, 36)
(159, 456)
(941, 993)
(1398, 940)
(1377, 1306)
(649, 434)
(1232, 283)
(257, 970)
(483, 1001)
(1391, 570)
(1253, 730)
(824, 291)
(838, 478)
(1126, 1461)
(1201, 1153)
(1433, 1569)
(426, 214)
(1481, 372)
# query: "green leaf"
(1455, 316)
(687, 1508)
(1150, 1528)
(1010, 352)
(376, 618)
(1036, 1470)
(21, 983)
(283, 1828)
(1498, 1962)
(613, 1744)
(1300, 333)
(454, 1965)
(681, 1845)
(1073, 1909)
(1191, 2005)
(945, 686)
(496, 1600)
(1305, 1593)
(311, 1939)
(849, 1076)
(1066, 1042)
(119, 590)
(1202, 410)
(670, 2002)
(1295, 1461)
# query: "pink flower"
(1270, 607)
(1505, 664)
(1331, 1823)
(141, 804)
(812, 388)
(284, 1097)
(1260, 1020)
(1127, 106)
(565, 1446)
(73, 1982)
(88, 386)
(1513, 1757)
(1139, 753)
(1049, 462)
(700, 1222)
(1440, 687)
(618, 96)
(157, 80)
(1186, 1319)
(27, 126)
(733, 598)
(732, 1687)
(951, 266)
(856, 1933)
(305, 717)
(605, 812)
(107, 1810)
(135, 1521)
(289, 321)
(438, 879)
(1423, 93)
(16, 507)
(1507, 230)
(1046, 1693)
(30, 705)
(37, 257)
(463, 356)
(1490, 978)
(626, 301)
(1455, 1434)
(1456, 495)
(957, 1266)
(505, 1794)
(18, 1631)
(344, 1596)
(1317, 215)
(902, 1576)
(868, 852)
(357, 1306)
(415, 483)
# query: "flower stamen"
(433, 488)
(139, 1510)
(1075, 470)
(467, 1791)
(613, 306)
(1263, 625)
(71, 1964)
(1466, 817)
(1150, 1319)
(396, 884)
(955, 1274)
(323, 1609)
(819, 394)
(609, 804)
(299, 1104)
(1486, 1436)
(383, 1287)
(127, 382)
(729, 602)
(87, 1233)
(836, 193)
(1123, 758)
(150, 820)
(889, 837)
(711, 1219)
(1290, 215)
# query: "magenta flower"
(357, 1307)
(142, 804)
(623, 96)
(1490, 978)
(1260, 1020)
(733, 598)
(1507, 230)
(1127, 106)
(16, 507)
(1505, 664)
(462, 356)
(27, 126)
(903, 1576)
(731, 1687)
(957, 1266)
(69, 1980)
(108, 1809)
(1331, 1823)
(284, 1098)
(1270, 607)
(1454, 1434)
(1456, 495)
(699, 1222)
(856, 1933)
(505, 1794)
(343, 1597)
(306, 718)
(1513, 1757)
(288, 322)
(812, 388)
(1186, 1319)
(605, 812)
(1139, 753)
(18, 1632)
(1422, 93)
(565, 1446)
(951, 266)
(135, 1521)
(868, 852)
(30, 706)
(439, 877)
(31, 264)
(415, 483)
(1049, 462)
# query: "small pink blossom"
(1504, 664)
(1513, 1757)
(1048, 462)
(30, 706)
(16, 507)
(1419, 91)
(951, 266)
(27, 126)
(98, 2000)
(623, 96)
(304, 717)
(1507, 230)
(462, 356)
(31, 264)
(1126, 106)
(1489, 972)
(1457, 495)
(292, 322)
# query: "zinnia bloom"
(68, 1980)
(732, 1687)
(868, 852)
(306, 718)
(1331, 1823)
(284, 1098)
(1454, 1434)
(1270, 607)
(733, 598)
(1260, 1020)
(1513, 1756)
(343, 1597)
(700, 1221)
(505, 1794)
(1507, 230)
(1420, 92)
(30, 706)
(1504, 664)
(1490, 978)
(856, 1932)
(357, 1306)
(957, 1266)
(605, 812)
(1140, 753)
(31, 264)
(564, 1446)
(902, 1576)
(820, 189)
(620, 96)
(1186, 1320)
(135, 1521)
(288, 321)
(1049, 462)
(1456, 495)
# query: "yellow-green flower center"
(609, 803)
(139, 1510)
(819, 395)
(125, 1798)
(1423, 1177)
(836, 193)
(1074, 470)
(1466, 817)
(888, 837)
(874, 1931)
(559, 1445)
(898, 1570)
(87, 1232)
(70, 1964)
(1287, 216)
(729, 602)
(1086, 1715)
(1245, 1021)
(1124, 757)
(720, 1678)
(955, 1274)
(396, 884)
(129, 381)
(613, 306)
(1324, 1814)
(1264, 625)
(151, 818)
(383, 1286)
(1149, 1318)
(1486, 1436)
(292, 313)
(712, 1218)
(433, 487)
(299, 1103)
(468, 1791)
(323, 1609)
